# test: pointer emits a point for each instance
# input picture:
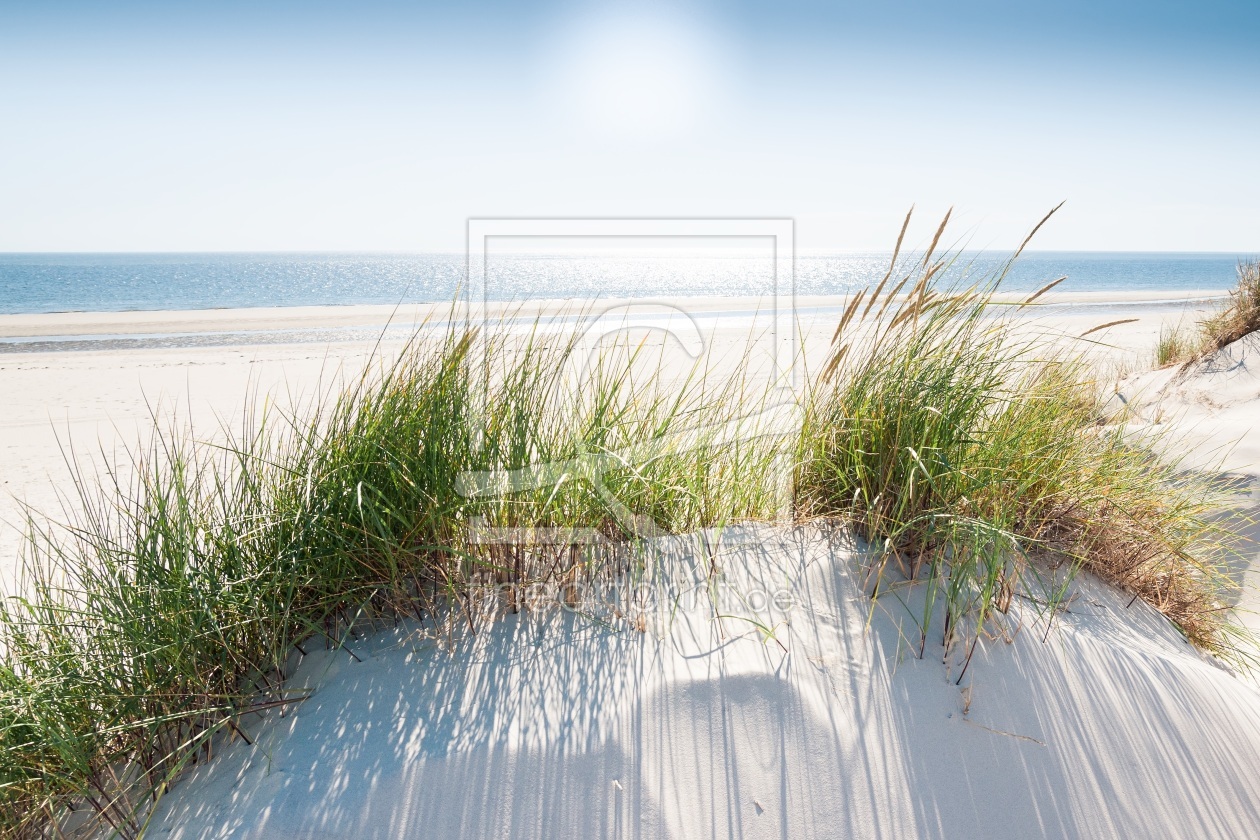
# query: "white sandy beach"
(549, 726)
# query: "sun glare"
(639, 74)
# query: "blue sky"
(383, 126)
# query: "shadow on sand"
(551, 726)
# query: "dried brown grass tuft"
(1239, 318)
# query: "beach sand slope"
(1207, 413)
(745, 720)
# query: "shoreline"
(140, 329)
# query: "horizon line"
(810, 252)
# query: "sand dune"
(1208, 413)
(817, 719)
(1214, 403)
(1110, 724)
(552, 726)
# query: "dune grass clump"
(170, 608)
(1176, 344)
(971, 461)
(166, 611)
(1239, 318)
(1242, 316)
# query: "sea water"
(32, 283)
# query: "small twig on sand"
(1001, 732)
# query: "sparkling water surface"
(33, 283)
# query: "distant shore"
(47, 332)
(121, 282)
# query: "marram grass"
(168, 610)
(1237, 318)
(972, 461)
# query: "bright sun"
(642, 74)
